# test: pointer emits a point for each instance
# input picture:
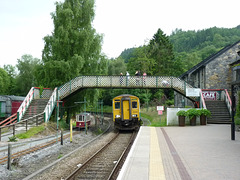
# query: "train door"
(2, 109)
(126, 112)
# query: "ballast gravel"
(59, 156)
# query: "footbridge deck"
(146, 82)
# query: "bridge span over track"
(123, 82)
(82, 82)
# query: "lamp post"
(233, 113)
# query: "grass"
(31, 132)
(60, 156)
(152, 115)
(106, 109)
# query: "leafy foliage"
(204, 112)
(194, 46)
(192, 112)
(4, 81)
(74, 47)
(181, 113)
(161, 50)
(25, 78)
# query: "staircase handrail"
(225, 96)
(50, 105)
(4, 122)
(28, 99)
(202, 100)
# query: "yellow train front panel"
(126, 112)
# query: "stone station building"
(218, 71)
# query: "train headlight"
(117, 116)
(134, 115)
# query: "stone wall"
(219, 72)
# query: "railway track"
(104, 163)
(32, 149)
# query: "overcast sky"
(123, 23)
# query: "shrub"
(12, 139)
(204, 112)
(181, 113)
(192, 112)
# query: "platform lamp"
(233, 113)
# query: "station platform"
(190, 152)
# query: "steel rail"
(117, 165)
(71, 176)
(32, 149)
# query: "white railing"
(50, 105)
(28, 99)
(202, 101)
(225, 97)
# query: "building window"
(238, 75)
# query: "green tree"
(11, 70)
(116, 66)
(141, 61)
(161, 50)
(4, 81)
(25, 78)
(74, 47)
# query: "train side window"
(117, 105)
(134, 104)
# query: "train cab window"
(134, 104)
(117, 105)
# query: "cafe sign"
(209, 95)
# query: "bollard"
(70, 130)
(13, 130)
(26, 125)
(61, 137)
(36, 120)
(9, 156)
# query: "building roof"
(208, 59)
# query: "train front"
(126, 112)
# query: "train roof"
(125, 95)
(12, 98)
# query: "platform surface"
(190, 152)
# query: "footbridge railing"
(123, 82)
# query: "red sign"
(159, 112)
(209, 95)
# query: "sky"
(123, 23)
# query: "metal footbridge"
(120, 82)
